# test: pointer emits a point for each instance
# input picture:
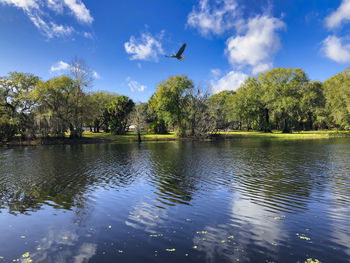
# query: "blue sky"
(124, 42)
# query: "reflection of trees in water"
(175, 172)
(277, 175)
(62, 176)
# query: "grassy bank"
(287, 136)
(89, 137)
(129, 137)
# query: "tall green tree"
(281, 95)
(56, 106)
(337, 93)
(171, 101)
(219, 108)
(312, 105)
(117, 113)
(97, 103)
(16, 104)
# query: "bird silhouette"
(178, 55)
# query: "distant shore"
(92, 138)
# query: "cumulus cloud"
(335, 49)
(38, 13)
(134, 85)
(59, 67)
(213, 16)
(146, 47)
(79, 10)
(340, 16)
(256, 45)
(231, 81)
(260, 68)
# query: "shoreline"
(99, 138)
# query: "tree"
(156, 125)
(312, 104)
(219, 108)
(82, 76)
(249, 107)
(56, 106)
(97, 107)
(171, 101)
(281, 94)
(138, 118)
(16, 104)
(117, 114)
(337, 93)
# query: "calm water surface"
(240, 200)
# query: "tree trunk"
(286, 128)
(267, 121)
(310, 121)
(139, 136)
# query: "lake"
(246, 200)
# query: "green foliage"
(58, 106)
(337, 93)
(220, 110)
(282, 99)
(117, 114)
(16, 104)
(157, 127)
(281, 95)
(171, 100)
(97, 106)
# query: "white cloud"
(215, 18)
(257, 45)
(231, 81)
(96, 75)
(341, 15)
(59, 66)
(334, 49)
(79, 10)
(134, 85)
(24, 4)
(56, 5)
(87, 35)
(146, 47)
(38, 13)
(215, 72)
(260, 68)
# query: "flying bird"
(179, 53)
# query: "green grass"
(287, 136)
(130, 137)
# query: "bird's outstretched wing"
(181, 50)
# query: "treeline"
(281, 99)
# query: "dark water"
(240, 200)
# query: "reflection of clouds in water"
(250, 227)
(86, 251)
(261, 224)
(210, 242)
(60, 247)
(340, 230)
(146, 216)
